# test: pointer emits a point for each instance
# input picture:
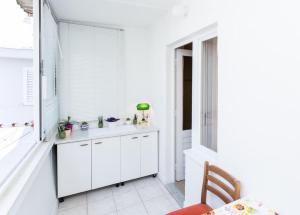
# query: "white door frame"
(180, 53)
(196, 39)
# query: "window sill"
(11, 191)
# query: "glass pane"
(49, 55)
(209, 93)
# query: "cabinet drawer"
(73, 168)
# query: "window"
(209, 82)
(16, 88)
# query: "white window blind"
(27, 86)
(91, 77)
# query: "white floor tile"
(150, 192)
(103, 207)
(129, 186)
(127, 199)
(99, 194)
(146, 182)
(161, 205)
(73, 201)
(81, 210)
(138, 209)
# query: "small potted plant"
(84, 126)
(69, 124)
(61, 131)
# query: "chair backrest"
(233, 192)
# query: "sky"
(16, 27)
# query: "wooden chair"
(233, 193)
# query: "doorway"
(183, 98)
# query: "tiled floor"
(145, 196)
(176, 193)
(181, 186)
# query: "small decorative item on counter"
(100, 122)
(143, 107)
(61, 131)
(135, 120)
(68, 132)
(112, 122)
(128, 121)
(68, 124)
(84, 126)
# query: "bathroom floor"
(146, 196)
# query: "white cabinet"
(73, 168)
(130, 157)
(95, 163)
(105, 162)
(149, 154)
(139, 155)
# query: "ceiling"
(115, 12)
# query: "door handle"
(146, 136)
(84, 144)
(134, 138)
(98, 143)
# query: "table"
(245, 206)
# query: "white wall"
(12, 108)
(258, 92)
(136, 61)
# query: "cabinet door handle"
(134, 138)
(146, 136)
(84, 144)
(98, 143)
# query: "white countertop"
(96, 133)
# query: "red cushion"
(192, 210)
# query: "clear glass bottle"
(100, 122)
(135, 120)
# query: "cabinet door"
(73, 168)
(105, 162)
(149, 154)
(130, 157)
